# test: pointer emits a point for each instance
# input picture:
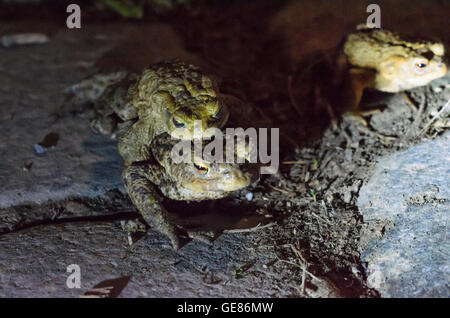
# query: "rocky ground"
(355, 210)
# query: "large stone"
(410, 191)
(37, 261)
(32, 84)
(34, 81)
(80, 165)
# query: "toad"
(148, 180)
(379, 59)
(167, 96)
(150, 110)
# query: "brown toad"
(165, 102)
(165, 97)
(148, 181)
(379, 59)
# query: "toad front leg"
(138, 182)
(352, 91)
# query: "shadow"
(251, 62)
(128, 215)
(215, 215)
(110, 288)
(106, 173)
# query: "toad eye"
(420, 65)
(177, 123)
(201, 168)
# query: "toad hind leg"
(143, 192)
(354, 84)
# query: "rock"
(68, 182)
(40, 151)
(37, 261)
(82, 164)
(410, 190)
(68, 159)
(11, 40)
(103, 125)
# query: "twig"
(298, 254)
(302, 267)
(256, 228)
(293, 162)
(303, 281)
(305, 174)
(120, 215)
(263, 115)
(434, 118)
(281, 190)
(333, 117)
(292, 98)
(320, 218)
(418, 115)
(409, 102)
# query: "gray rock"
(411, 191)
(39, 149)
(11, 40)
(81, 165)
(37, 261)
(31, 95)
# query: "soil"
(302, 224)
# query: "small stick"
(419, 112)
(320, 218)
(280, 190)
(302, 267)
(298, 254)
(256, 228)
(302, 286)
(334, 119)
(293, 162)
(434, 118)
(291, 96)
(409, 102)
